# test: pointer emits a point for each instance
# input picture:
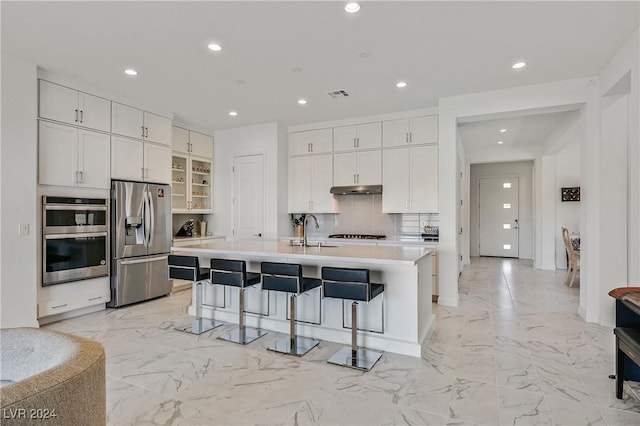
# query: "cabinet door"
(299, 184)
(369, 136)
(299, 143)
(200, 182)
(424, 129)
(321, 141)
(322, 201)
(395, 132)
(180, 182)
(424, 179)
(179, 139)
(201, 145)
(344, 169)
(395, 180)
(344, 138)
(157, 163)
(157, 128)
(95, 112)
(58, 103)
(126, 159)
(369, 168)
(93, 159)
(58, 153)
(126, 121)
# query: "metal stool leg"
(243, 334)
(199, 325)
(293, 345)
(355, 357)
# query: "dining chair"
(573, 265)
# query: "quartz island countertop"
(381, 255)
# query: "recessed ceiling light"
(302, 101)
(365, 54)
(130, 71)
(518, 65)
(401, 84)
(500, 142)
(215, 47)
(233, 113)
(503, 130)
(296, 69)
(352, 7)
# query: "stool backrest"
(281, 276)
(346, 283)
(228, 272)
(183, 267)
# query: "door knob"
(258, 235)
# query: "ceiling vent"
(338, 94)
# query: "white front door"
(248, 197)
(499, 216)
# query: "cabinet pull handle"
(406, 137)
(355, 143)
(142, 168)
(81, 177)
(358, 143)
(311, 146)
(76, 116)
(354, 178)
(146, 132)
(59, 306)
(410, 137)
(95, 298)
(143, 131)
(81, 116)
(358, 178)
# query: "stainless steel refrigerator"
(140, 241)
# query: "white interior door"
(498, 216)
(248, 197)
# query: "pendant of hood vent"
(356, 189)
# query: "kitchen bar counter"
(405, 271)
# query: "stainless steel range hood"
(356, 189)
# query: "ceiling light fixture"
(302, 101)
(401, 84)
(215, 47)
(130, 71)
(500, 142)
(519, 65)
(503, 130)
(233, 113)
(352, 7)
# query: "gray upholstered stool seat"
(188, 268)
(234, 273)
(355, 285)
(287, 278)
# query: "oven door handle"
(78, 235)
(87, 207)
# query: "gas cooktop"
(359, 236)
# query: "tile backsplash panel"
(362, 214)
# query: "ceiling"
(440, 49)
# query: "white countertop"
(198, 237)
(374, 254)
(407, 241)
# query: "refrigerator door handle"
(152, 215)
(147, 218)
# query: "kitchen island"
(405, 271)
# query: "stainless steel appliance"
(358, 236)
(75, 245)
(140, 241)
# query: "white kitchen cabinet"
(71, 106)
(357, 168)
(311, 142)
(310, 180)
(70, 156)
(135, 123)
(417, 130)
(361, 136)
(142, 161)
(179, 139)
(191, 189)
(56, 299)
(190, 142)
(410, 180)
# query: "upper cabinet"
(417, 130)
(135, 160)
(311, 142)
(190, 142)
(71, 106)
(357, 168)
(135, 123)
(361, 136)
(310, 179)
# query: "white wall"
(567, 214)
(524, 171)
(18, 279)
(259, 139)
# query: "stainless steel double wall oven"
(75, 242)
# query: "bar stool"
(188, 268)
(234, 273)
(287, 278)
(352, 284)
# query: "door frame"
(479, 201)
(233, 188)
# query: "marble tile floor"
(514, 352)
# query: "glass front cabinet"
(191, 189)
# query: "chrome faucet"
(304, 228)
